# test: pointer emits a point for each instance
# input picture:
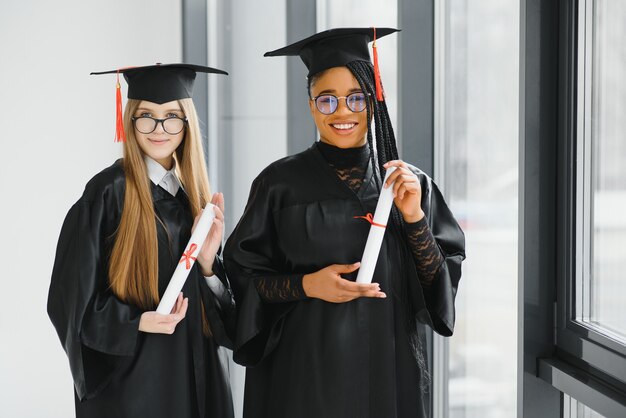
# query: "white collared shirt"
(168, 180)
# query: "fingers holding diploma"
(407, 190)
(156, 323)
(213, 239)
(327, 284)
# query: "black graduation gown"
(117, 370)
(312, 358)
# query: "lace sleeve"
(426, 253)
(279, 289)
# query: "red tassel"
(120, 136)
(379, 85)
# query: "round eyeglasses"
(328, 103)
(147, 124)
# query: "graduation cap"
(336, 48)
(160, 83)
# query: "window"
(601, 172)
(592, 317)
(476, 164)
(574, 409)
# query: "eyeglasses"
(328, 103)
(147, 124)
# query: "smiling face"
(159, 145)
(343, 128)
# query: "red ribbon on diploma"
(188, 256)
(369, 218)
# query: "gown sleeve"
(252, 259)
(439, 295)
(220, 309)
(96, 329)
(219, 285)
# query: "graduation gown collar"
(328, 171)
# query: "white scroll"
(187, 260)
(377, 232)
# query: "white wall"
(57, 127)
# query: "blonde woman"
(118, 248)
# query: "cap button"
(158, 63)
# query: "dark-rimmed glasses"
(146, 124)
(328, 103)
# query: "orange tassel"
(120, 136)
(379, 84)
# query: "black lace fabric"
(278, 289)
(350, 164)
(426, 253)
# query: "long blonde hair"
(133, 267)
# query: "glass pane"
(478, 132)
(603, 285)
(574, 409)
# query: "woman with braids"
(119, 246)
(316, 343)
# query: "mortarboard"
(336, 48)
(160, 83)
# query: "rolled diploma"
(377, 232)
(187, 260)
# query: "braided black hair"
(384, 151)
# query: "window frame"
(597, 352)
(416, 75)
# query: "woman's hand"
(407, 191)
(213, 240)
(327, 284)
(156, 323)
